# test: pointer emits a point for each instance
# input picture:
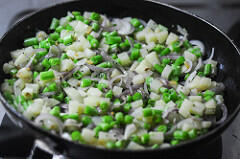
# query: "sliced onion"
(172, 56)
(143, 22)
(114, 79)
(117, 65)
(123, 27)
(199, 44)
(190, 78)
(28, 65)
(67, 75)
(224, 114)
(47, 94)
(53, 119)
(182, 31)
(98, 69)
(190, 66)
(199, 64)
(168, 111)
(145, 88)
(211, 57)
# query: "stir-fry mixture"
(115, 83)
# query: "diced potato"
(74, 82)
(89, 53)
(75, 55)
(143, 52)
(104, 137)
(210, 107)
(162, 36)
(25, 74)
(170, 104)
(160, 105)
(195, 98)
(198, 108)
(29, 51)
(117, 91)
(134, 146)
(16, 53)
(134, 66)
(152, 58)
(73, 94)
(85, 70)
(124, 58)
(94, 92)
(75, 107)
(138, 79)
(21, 60)
(187, 126)
(156, 137)
(150, 46)
(129, 130)
(184, 90)
(171, 38)
(166, 71)
(66, 65)
(143, 67)
(137, 104)
(7, 67)
(140, 36)
(83, 44)
(206, 124)
(154, 96)
(88, 136)
(137, 113)
(151, 37)
(81, 28)
(27, 92)
(64, 33)
(185, 108)
(155, 85)
(200, 83)
(6, 87)
(95, 101)
(189, 55)
(34, 109)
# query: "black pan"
(226, 54)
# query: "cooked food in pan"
(119, 83)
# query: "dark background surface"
(225, 14)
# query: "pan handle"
(15, 142)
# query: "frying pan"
(226, 54)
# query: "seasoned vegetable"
(118, 84)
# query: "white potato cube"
(195, 98)
(73, 94)
(171, 38)
(156, 137)
(200, 83)
(66, 65)
(162, 36)
(129, 130)
(152, 58)
(189, 55)
(117, 91)
(143, 66)
(88, 136)
(94, 92)
(198, 108)
(25, 74)
(134, 146)
(124, 58)
(137, 104)
(210, 107)
(138, 79)
(75, 107)
(154, 96)
(185, 108)
(155, 85)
